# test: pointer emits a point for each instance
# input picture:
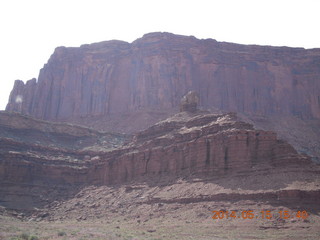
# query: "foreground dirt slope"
(178, 210)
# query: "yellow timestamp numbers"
(265, 214)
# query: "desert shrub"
(33, 238)
(61, 233)
(24, 236)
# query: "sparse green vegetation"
(33, 238)
(62, 233)
(25, 236)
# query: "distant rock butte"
(153, 73)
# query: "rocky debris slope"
(26, 130)
(36, 155)
(188, 145)
(302, 134)
(143, 202)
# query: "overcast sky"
(31, 29)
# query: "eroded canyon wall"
(155, 71)
(186, 145)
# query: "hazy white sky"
(31, 29)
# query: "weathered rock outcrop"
(154, 72)
(189, 102)
(186, 145)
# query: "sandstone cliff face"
(154, 72)
(185, 145)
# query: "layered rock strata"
(153, 73)
(127, 87)
(186, 145)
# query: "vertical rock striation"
(155, 71)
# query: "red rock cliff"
(154, 72)
(185, 145)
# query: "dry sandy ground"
(190, 222)
(178, 210)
